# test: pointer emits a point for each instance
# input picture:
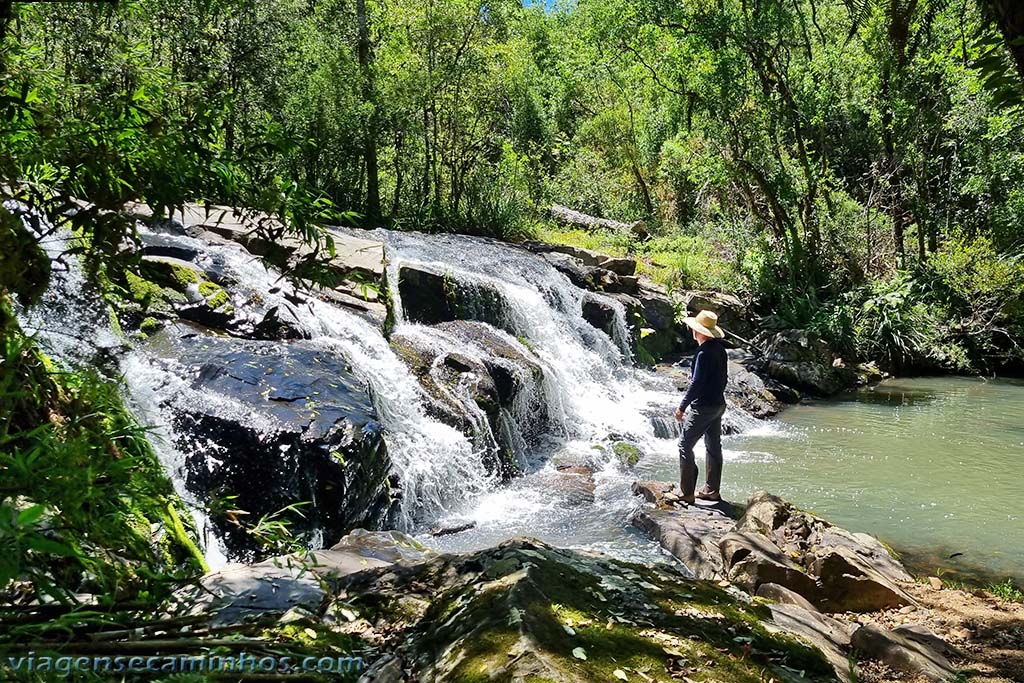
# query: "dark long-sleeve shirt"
(709, 375)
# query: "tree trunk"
(1009, 16)
(892, 166)
(370, 151)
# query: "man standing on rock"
(702, 408)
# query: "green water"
(934, 466)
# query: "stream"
(929, 465)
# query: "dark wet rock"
(800, 359)
(487, 374)
(453, 528)
(831, 636)
(902, 653)
(600, 314)
(579, 273)
(748, 390)
(430, 297)
(278, 324)
(280, 424)
(619, 284)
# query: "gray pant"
(701, 421)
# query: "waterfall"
(430, 458)
(70, 322)
(590, 388)
(584, 396)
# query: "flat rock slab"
(691, 535)
(902, 653)
(829, 635)
(269, 589)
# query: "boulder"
(751, 559)
(600, 314)
(524, 610)
(430, 297)
(733, 314)
(274, 425)
(836, 570)
(470, 369)
(831, 636)
(619, 265)
(850, 583)
(800, 359)
(579, 273)
(902, 653)
(775, 543)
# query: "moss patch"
(627, 453)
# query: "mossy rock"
(627, 453)
(150, 325)
(526, 611)
(171, 274)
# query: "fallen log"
(567, 216)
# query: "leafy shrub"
(82, 490)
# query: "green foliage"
(802, 154)
(84, 503)
(1007, 590)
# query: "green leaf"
(30, 515)
(42, 544)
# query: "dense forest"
(853, 167)
(851, 170)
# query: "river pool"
(934, 466)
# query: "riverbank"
(436, 374)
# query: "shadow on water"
(953, 565)
(894, 394)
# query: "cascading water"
(593, 394)
(591, 388)
(586, 398)
(430, 458)
(70, 321)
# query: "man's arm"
(696, 380)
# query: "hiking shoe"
(707, 494)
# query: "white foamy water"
(434, 462)
(588, 396)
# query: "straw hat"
(705, 322)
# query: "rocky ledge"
(818, 578)
(733, 610)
